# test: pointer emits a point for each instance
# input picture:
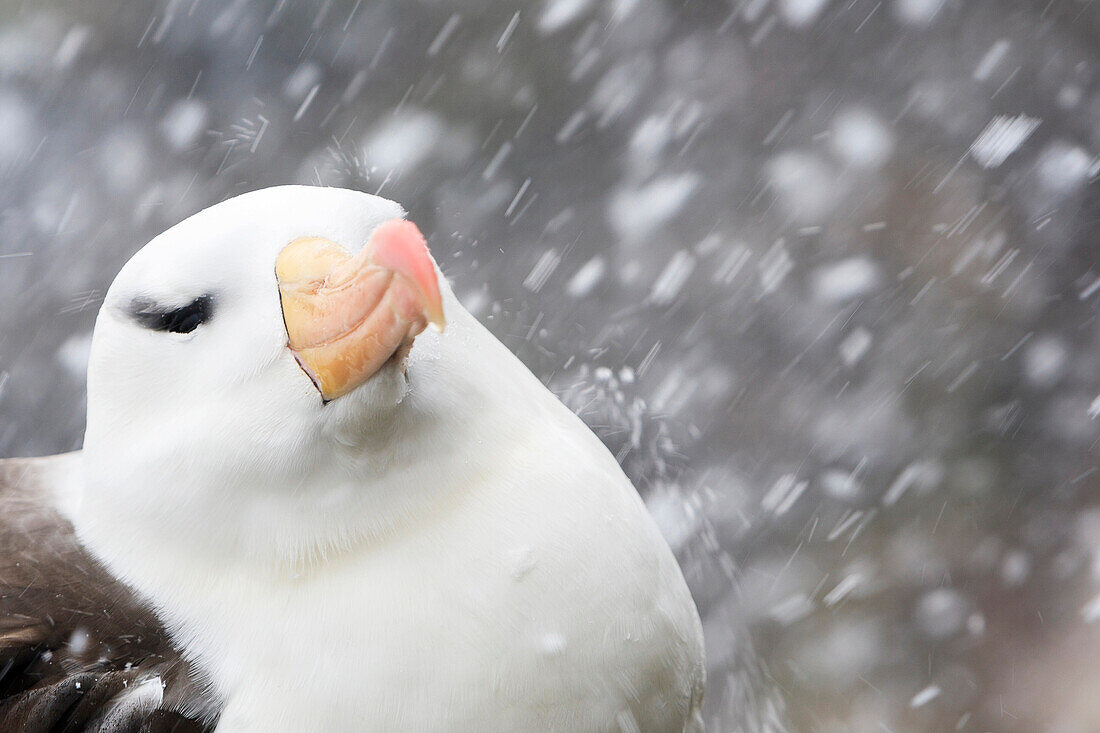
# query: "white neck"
(521, 523)
(367, 480)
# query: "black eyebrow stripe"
(182, 319)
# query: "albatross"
(315, 494)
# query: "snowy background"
(822, 273)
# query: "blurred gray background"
(823, 274)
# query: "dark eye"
(184, 319)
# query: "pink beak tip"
(398, 245)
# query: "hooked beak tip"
(398, 245)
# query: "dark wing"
(78, 650)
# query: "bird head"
(253, 360)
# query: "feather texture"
(78, 650)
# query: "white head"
(206, 428)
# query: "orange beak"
(347, 315)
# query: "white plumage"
(446, 548)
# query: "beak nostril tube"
(346, 314)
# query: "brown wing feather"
(74, 642)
